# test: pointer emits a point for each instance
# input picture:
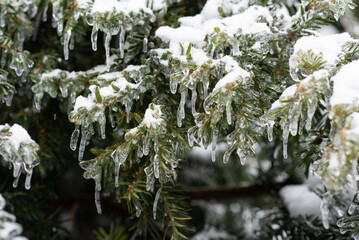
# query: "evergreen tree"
(273, 101)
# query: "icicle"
(2, 17)
(242, 156)
(293, 125)
(179, 116)
(193, 101)
(112, 121)
(20, 38)
(228, 153)
(149, 183)
(28, 179)
(82, 144)
(74, 138)
(324, 206)
(182, 103)
(103, 130)
(94, 38)
(191, 135)
(351, 208)
(145, 42)
(44, 13)
(97, 179)
(156, 145)
(121, 42)
(128, 111)
(311, 107)
(67, 37)
(285, 140)
(343, 231)
(64, 91)
(114, 156)
(146, 145)
(228, 111)
(155, 203)
(156, 166)
(138, 210)
(205, 90)
(107, 50)
(17, 173)
(37, 101)
(214, 143)
(205, 141)
(270, 125)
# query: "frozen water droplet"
(324, 206)
(270, 125)
(242, 156)
(351, 208)
(156, 166)
(74, 138)
(145, 42)
(103, 130)
(311, 107)
(155, 203)
(67, 37)
(122, 42)
(114, 156)
(285, 140)
(97, 179)
(340, 222)
(138, 210)
(191, 135)
(228, 153)
(228, 111)
(173, 86)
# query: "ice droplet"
(173, 86)
(242, 156)
(214, 143)
(121, 42)
(107, 50)
(82, 146)
(340, 222)
(74, 138)
(146, 145)
(114, 156)
(155, 203)
(351, 208)
(310, 113)
(103, 130)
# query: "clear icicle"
(351, 208)
(182, 103)
(214, 143)
(94, 38)
(67, 37)
(155, 203)
(74, 139)
(193, 100)
(270, 125)
(103, 130)
(82, 145)
(17, 177)
(285, 140)
(173, 86)
(97, 179)
(242, 156)
(310, 113)
(324, 206)
(191, 135)
(114, 156)
(128, 111)
(138, 210)
(228, 153)
(179, 116)
(37, 101)
(145, 42)
(228, 111)
(121, 42)
(156, 166)
(107, 50)
(146, 145)
(28, 179)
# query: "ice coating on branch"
(9, 229)
(17, 147)
(346, 85)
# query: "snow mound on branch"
(346, 85)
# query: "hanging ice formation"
(9, 228)
(17, 148)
